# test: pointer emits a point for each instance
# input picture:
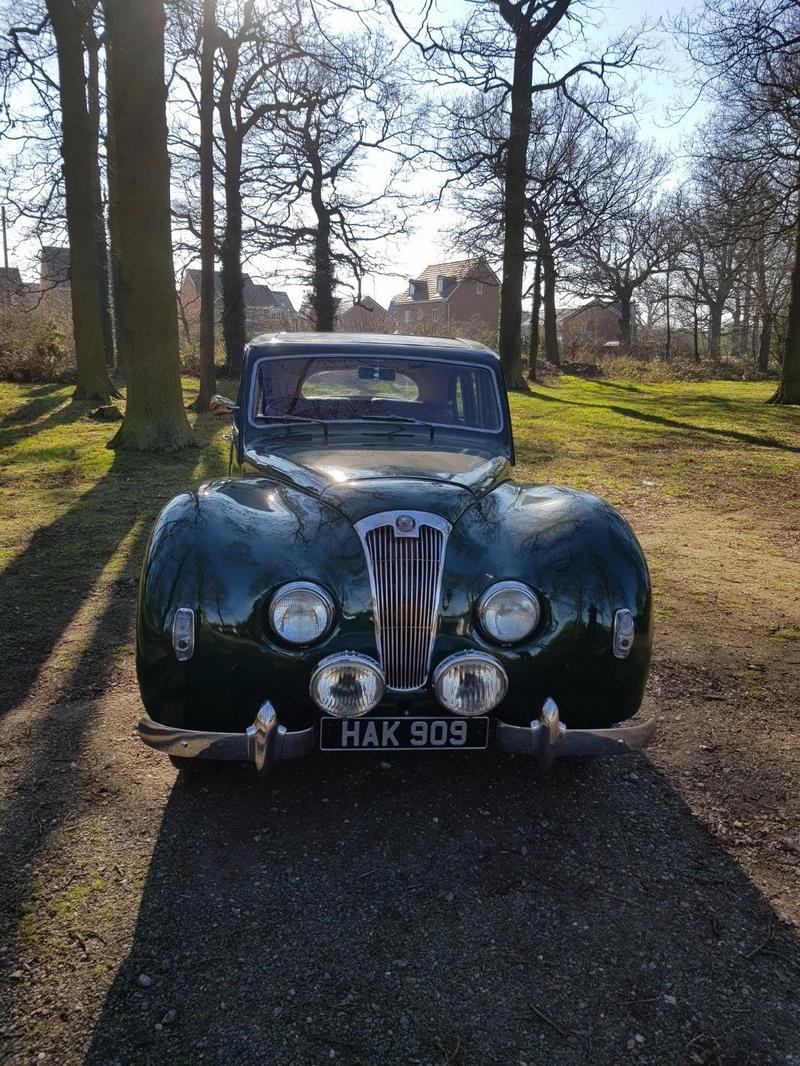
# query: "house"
(449, 296)
(592, 326)
(266, 309)
(363, 316)
(55, 290)
(12, 287)
(353, 316)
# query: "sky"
(431, 240)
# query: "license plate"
(403, 734)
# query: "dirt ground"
(459, 910)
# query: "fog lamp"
(347, 685)
(470, 683)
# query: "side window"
(479, 288)
(473, 399)
(458, 400)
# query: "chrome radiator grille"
(405, 556)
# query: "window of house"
(440, 285)
(479, 288)
(412, 288)
(434, 314)
(406, 315)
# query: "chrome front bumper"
(267, 742)
(547, 738)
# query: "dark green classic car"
(370, 578)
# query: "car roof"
(272, 344)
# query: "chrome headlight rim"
(488, 594)
(290, 587)
(345, 659)
(459, 658)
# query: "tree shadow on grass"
(673, 423)
(46, 584)
(462, 907)
(27, 421)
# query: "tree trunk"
(510, 332)
(744, 325)
(322, 280)
(551, 352)
(536, 304)
(715, 332)
(668, 344)
(625, 326)
(764, 344)
(789, 388)
(234, 328)
(155, 419)
(92, 376)
(93, 96)
(114, 208)
(696, 332)
(208, 370)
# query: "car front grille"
(405, 569)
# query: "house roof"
(609, 305)
(54, 265)
(255, 295)
(366, 303)
(454, 273)
(10, 278)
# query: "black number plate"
(403, 734)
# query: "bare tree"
(254, 44)
(511, 50)
(155, 419)
(620, 258)
(208, 370)
(70, 187)
(747, 54)
(329, 189)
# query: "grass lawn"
(707, 474)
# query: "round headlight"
(347, 685)
(509, 612)
(470, 683)
(301, 613)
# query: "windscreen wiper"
(297, 418)
(396, 418)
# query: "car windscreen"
(340, 387)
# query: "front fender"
(223, 550)
(585, 563)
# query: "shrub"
(35, 346)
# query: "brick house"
(364, 316)
(55, 289)
(592, 326)
(449, 296)
(12, 287)
(266, 309)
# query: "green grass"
(693, 440)
(699, 469)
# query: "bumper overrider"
(267, 742)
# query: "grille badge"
(405, 523)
